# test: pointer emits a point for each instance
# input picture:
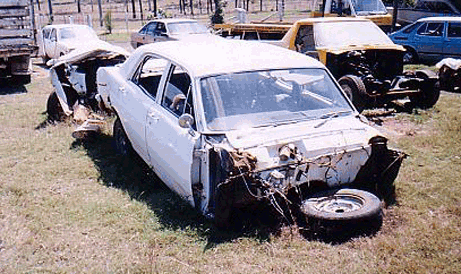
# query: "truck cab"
(369, 9)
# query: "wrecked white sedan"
(73, 77)
(226, 124)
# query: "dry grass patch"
(71, 206)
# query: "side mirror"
(163, 34)
(186, 120)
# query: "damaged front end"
(73, 77)
(285, 175)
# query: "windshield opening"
(332, 34)
(269, 98)
(186, 28)
(364, 7)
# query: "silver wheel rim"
(338, 204)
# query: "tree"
(217, 17)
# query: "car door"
(429, 40)
(170, 146)
(452, 45)
(135, 97)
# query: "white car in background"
(56, 40)
(227, 124)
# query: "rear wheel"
(122, 143)
(355, 89)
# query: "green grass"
(70, 206)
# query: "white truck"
(16, 41)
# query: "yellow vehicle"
(367, 64)
(368, 9)
(265, 30)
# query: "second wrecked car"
(226, 124)
(73, 77)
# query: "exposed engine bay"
(241, 179)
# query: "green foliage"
(108, 21)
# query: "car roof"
(441, 19)
(204, 55)
(172, 20)
(60, 26)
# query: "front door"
(170, 146)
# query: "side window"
(148, 74)
(143, 30)
(177, 97)
(305, 39)
(431, 29)
(454, 30)
(411, 28)
(160, 28)
(46, 33)
(53, 36)
(151, 29)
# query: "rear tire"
(122, 143)
(355, 89)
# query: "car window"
(53, 35)
(177, 97)
(46, 33)
(151, 28)
(148, 74)
(305, 39)
(454, 30)
(431, 29)
(410, 28)
(160, 28)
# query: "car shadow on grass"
(7, 87)
(139, 181)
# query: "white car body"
(56, 40)
(331, 147)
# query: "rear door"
(452, 45)
(429, 40)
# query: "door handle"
(153, 117)
(122, 90)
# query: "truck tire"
(342, 212)
(355, 89)
(429, 92)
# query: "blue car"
(430, 39)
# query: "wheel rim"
(338, 204)
(408, 57)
